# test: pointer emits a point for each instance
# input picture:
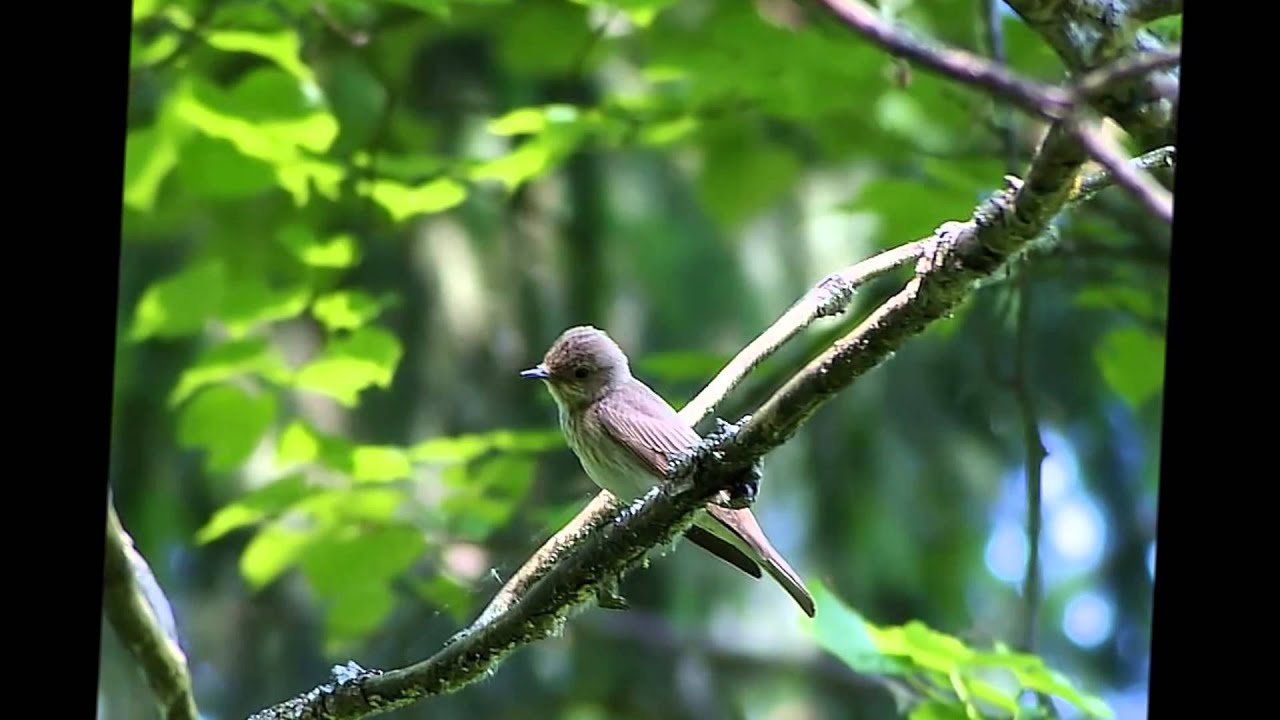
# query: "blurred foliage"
(348, 224)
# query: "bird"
(625, 435)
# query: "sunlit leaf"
(450, 450)
(227, 360)
(227, 423)
(250, 302)
(255, 506)
(841, 631)
(403, 202)
(297, 444)
(532, 120)
(280, 47)
(640, 12)
(363, 503)
(266, 116)
(464, 448)
(150, 153)
(530, 159)
(337, 251)
(274, 549)
(367, 357)
(379, 463)
(1032, 673)
(346, 309)
(1132, 362)
(180, 303)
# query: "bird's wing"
(654, 433)
(640, 420)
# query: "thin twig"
(1096, 82)
(829, 297)
(139, 630)
(1037, 98)
(1140, 184)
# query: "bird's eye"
(580, 373)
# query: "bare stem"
(134, 621)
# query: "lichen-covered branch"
(1088, 34)
(136, 625)
(1147, 10)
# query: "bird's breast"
(608, 464)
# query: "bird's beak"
(536, 373)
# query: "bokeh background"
(347, 225)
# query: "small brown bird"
(625, 434)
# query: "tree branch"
(1140, 184)
(1145, 11)
(1088, 34)
(1046, 101)
(135, 622)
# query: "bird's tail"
(742, 525)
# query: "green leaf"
(447, 594)
(901, 114)
(640, 12)
(842, 631)
(1032, 673)
(681, 366)
(937, 710)
(438, 8)
(403, 202)
(180, 303)
(230, 359)
(149, 155)
(268, 117)
(360, 504)
(346, 309)
(1109, 297)
(366, 357)
(298, 444)
(274, 549)
(227, 423)
(485, 499)
(450, 450)
(533, 120)
(530, 159)
(379, 463)
(255, 507)
(349, 557)
(213, 168)
(352, 572)
(251, 302)
(897, 203)
(338, 251)
(1132, 363)
(736, 186)
(282, 47)
(465, 448)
